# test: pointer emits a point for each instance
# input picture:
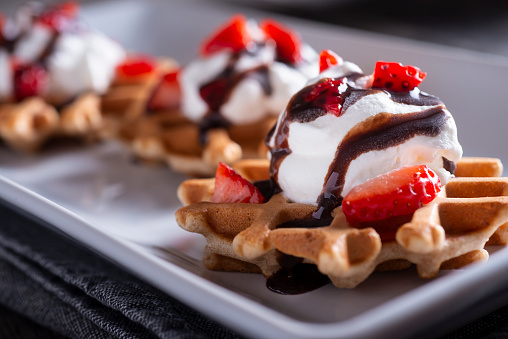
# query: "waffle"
(125, 100)
(27, 125)
(447, 233)
(166, 136)
(81, 118)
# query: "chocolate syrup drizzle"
(9, 43)
(218, 91)
(392, 130)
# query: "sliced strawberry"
(233, 35)
(3, 21)
(398, 192)
(135, 66)
(58, 16)
(396, 77)
(29, 80)
(232, 187)
(287, 41)
(167, 94)
(327, 59)
(327, 94)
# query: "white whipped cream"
(247, 102)
(313, 145)
(79, 61)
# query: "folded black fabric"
(56, 283)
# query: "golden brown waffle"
(27, 125)
(82, 118)
(448, 233)
(126, 99)
(168, 137)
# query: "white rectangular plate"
(125, 211)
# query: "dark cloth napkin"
(55, 282)
(66, 288)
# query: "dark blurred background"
(480, 25)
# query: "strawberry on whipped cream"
(346, 127)
(47, 52)
(246, 71)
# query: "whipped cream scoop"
(63, 57)
(346, 127)
(245, 73)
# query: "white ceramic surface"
(125, 211)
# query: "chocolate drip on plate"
(295, 277)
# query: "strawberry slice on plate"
(394, 76)
(287, 41)
(395, 193)
(231, 187)
(327, 59)
(167, 93)
(233, 35)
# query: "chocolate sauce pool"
(295, 277)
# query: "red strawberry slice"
(232, 187)
(396, 77)
(3, 21)
(29, 80)
(396, 193)
(59, 16)
(327, 59)
(167, 94)
(287, 41)
(233, 35)
(327, 94)
(135, 66)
